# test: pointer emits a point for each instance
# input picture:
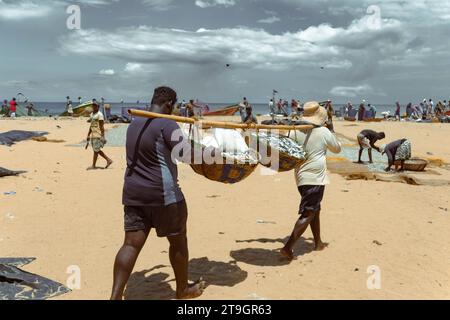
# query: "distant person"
(373, 110)
(152, 197)
(367, 140)
(272, 106)
(361, 112)
(190, 113)
(70, 109)
(96, 136)
(30, 109)
(183, 108)
(312, 176)
(295, 107)
(398, 111)
(397, 151)
(430, 106)
(13, 108)
(5, 109)
(330, 113)
(249, 118)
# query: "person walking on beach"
(152, 197)
(399, 150)
(13, 108)
(96, 136)
(398, 111)
(312, 176)
(367, 140)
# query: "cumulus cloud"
(29, 9)
(322, 45)
(214, 3)
(107, 72)
(160, 5)
(269, 20)
(17, 10)
(351, 92)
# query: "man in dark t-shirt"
(367, 140)
(152, 198)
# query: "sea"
(56, 108)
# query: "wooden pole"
(216, 124)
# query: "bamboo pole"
(217, 124)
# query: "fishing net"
(16, 284)
(235, 162)
(11, 137)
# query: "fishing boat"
(226, 111)
(82, 110)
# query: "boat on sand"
(226, 111)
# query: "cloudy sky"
(383, 50)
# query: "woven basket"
(229, 172)
(414, 164)
(225, 173)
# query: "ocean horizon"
(56, 108)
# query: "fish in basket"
(278, 152)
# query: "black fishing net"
(16, 284)
(11, 137)
(7, 173)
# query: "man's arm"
(332, 142)
(372, 144)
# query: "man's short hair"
(382, 135)
(163, 95)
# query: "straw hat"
(314, 114)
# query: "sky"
(222, 50)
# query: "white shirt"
(314, 171)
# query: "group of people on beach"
(152, 197)
(425, 110)
(397, 151)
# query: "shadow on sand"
(146, 285)
(270, 258)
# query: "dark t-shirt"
(154, 178)
(391, 149)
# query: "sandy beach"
(64, 215)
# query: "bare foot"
(109, 163)
(321, 246)
(288, 254)
(91, 168)
(193, 291)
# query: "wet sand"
(64, 215)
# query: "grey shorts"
(166, 220)
(97, 144)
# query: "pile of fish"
(281, 143)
